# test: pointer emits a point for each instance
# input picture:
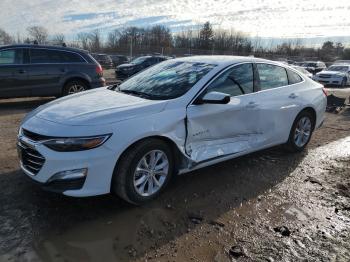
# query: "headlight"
(76, 143)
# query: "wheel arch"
(312, 111)
(179, 157)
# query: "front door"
(217, 130)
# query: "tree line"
(159, 38)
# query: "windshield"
(338, 68)
(138, 60)
(167, 80)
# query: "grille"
(31, 159)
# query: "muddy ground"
(267, 206)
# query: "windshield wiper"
(135, 93)
(142, 94)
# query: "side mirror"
(213, 98)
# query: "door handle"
(293, 96)
(63, 70)
(251, 104)
(21, 71)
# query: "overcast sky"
(265, 18)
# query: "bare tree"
(5, 38)
(113, 38)
(83, 38)
(38, 33)
(95, 40)
(58, 39)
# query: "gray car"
(38, 70)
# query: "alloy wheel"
(151, 173)
(75, 88)
(302, 131)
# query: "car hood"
(97, 107)
(324, 72)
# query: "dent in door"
(219, 130)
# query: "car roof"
(44, 46)
(224, 60)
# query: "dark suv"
(37, 70)
(138, 64)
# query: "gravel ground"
(267, 206)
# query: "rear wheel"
(301, 132)
(73, 87)
(143, 171)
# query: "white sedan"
(335, 75)
(175, 117)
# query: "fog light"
(69, 175)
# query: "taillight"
(324, 91)
(99, 70)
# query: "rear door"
(279, 102)
(14, 73)
(216, 130)
(45, 71)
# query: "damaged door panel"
(219, 130)
(216, 130)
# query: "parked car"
(303, 70)
(337, 62)
(314, 66)
(38, 70)
(335, 75)
(124, 71)
(118, 59)
(175, 117)
(104, 60)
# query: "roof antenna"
(64, 44)
(35, 42)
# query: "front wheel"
(301, 132)
(143, 171)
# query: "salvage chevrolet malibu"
(175, 117)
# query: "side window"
(39, 56)
(54, 56)
(11, 56)
(153, 60)
(293, 77)
(68, 57)
(236, 81)
(272, 76)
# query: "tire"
(73, 87)
(297, 143)
(125, 176)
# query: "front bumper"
(99, 163)
(332, 81)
